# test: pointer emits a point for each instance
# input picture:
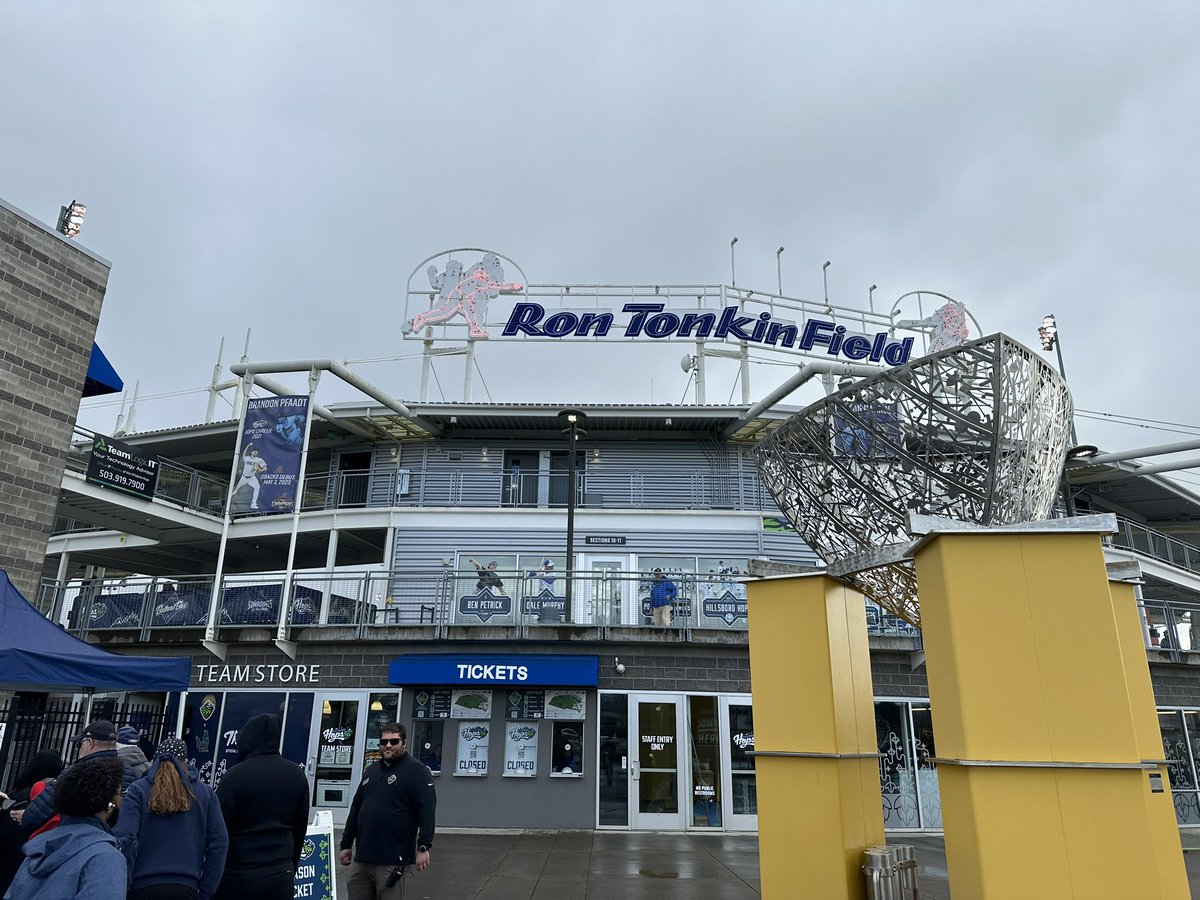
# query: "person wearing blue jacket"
(79, 858)
(171, 830)
(662, 596)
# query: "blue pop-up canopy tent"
(36, 654)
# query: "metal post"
(210, 641)
(779, 270)
(571, 523)
(289, 575)
(572, 418)
(1063, 373)
(732, 264)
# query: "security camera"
(620, 668)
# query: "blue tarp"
(101, 378)
(36, 652)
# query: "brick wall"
(50, 296)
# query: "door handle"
(308, 766)
(635, 771)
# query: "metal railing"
(1171, 627)
(33, 722)
(190, 488)
(675, 489)
(364, 604)
(1132, 536)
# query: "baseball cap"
(657, 571)
(127, 734)
(547, 562)
(100, 730)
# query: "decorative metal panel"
(977, 433)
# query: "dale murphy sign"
(651, 320)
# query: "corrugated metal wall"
(425, 547)
(650, 474)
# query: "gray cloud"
(284, 166)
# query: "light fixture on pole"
(871, 297)
(1051, 340)
(732, 264)
(572, 420)
(779, 269)
(825, 281)
(70, 219)
(1048, 333)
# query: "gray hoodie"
(134, 758)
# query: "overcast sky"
(284, 166)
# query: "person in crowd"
(264, 799)
(79, 858)
(129, 749)
(96, 742)
(171, 830)
(390, 823)
(44, 764)
(662, 597)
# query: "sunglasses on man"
(391, 742)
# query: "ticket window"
(426, 744)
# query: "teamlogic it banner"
(268, 464)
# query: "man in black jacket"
(97, 741)
(390, 819)
(264, 799)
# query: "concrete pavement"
(509, 864)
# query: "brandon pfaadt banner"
(269, 451)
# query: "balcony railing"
(190, 488)
(672, 489)
(1156, 545)
(378, 603)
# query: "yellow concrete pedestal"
(1042, 711)
(816, 758)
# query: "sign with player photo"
(269, 451)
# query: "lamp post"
(1048, 333)
(732, 264)
(779, 270)
(572, 419)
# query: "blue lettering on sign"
(484, 605)
(651, 320)
(728, 607)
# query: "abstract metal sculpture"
(978, 432)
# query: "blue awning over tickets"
(101, 377)
(37, 654)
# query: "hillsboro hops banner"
(268, 466)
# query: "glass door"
(656, 722)
(609, 587)
(737, 765)
(336, 750)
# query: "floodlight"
(70, 219)
(1048, 332)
